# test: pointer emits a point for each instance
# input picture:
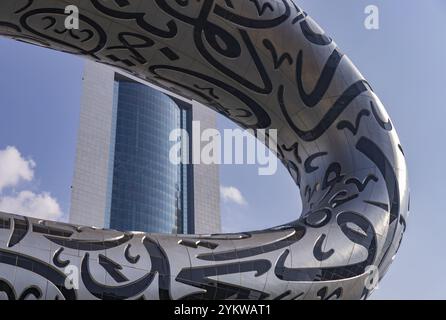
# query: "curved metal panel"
(262, 64)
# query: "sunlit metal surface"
(262, 64)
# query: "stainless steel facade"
(91, 180)
(263, 67)
(206, 181)
(123, 178)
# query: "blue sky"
(403, 60)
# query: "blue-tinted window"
(148, 192)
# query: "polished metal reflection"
(263, 64)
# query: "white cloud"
(232, 194)
(27, 203)
(14, 168)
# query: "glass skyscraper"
(148, 192)
(123, 177)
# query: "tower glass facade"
(123, 178)
(147, 191)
